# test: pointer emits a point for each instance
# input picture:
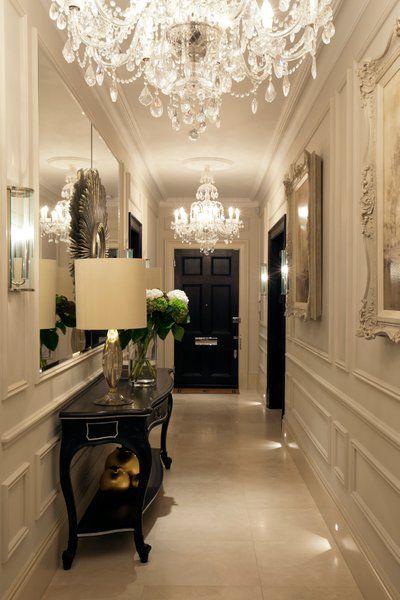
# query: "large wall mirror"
(79, 212)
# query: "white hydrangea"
(178, 295)
(154, 294)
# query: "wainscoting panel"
(340, 452)
(47, 484)
(377, 494)
(15, 510)
(313, 418)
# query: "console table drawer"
(101, 430)
(159, 414)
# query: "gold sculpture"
(115, 479)
(120, 462)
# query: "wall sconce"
(264, 279)
(21, 238)
(284, 273)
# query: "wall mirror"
(79, 212)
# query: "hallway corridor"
(235, 520)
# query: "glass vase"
(143, 362)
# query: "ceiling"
(244, 139)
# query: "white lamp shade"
(110, 293)
(153, 278)
(47, 293)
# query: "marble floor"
(234, 521)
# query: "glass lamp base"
(113, 399)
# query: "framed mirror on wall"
(79, 200)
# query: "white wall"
(343, 392)
(31, 508)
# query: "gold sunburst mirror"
(89, 219)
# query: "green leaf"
(125, 336)
(139, 334)
(178, 332)
(49, 338)
(60, 325)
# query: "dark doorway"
(135, 236)
(276, 318)
(207, 357)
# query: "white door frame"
(244, 286)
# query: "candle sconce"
(263, 279)
(21, 238)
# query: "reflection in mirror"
(68, 143)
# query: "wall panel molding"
(312, 349)
(15, 433)
(340, 436)
(16, 388)
(365, 415)
(378, 384)
(325, 452)
(17, 482)
(42, 504)
(364, 503)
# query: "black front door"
(276, 318)
(208, 355)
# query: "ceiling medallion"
(206, 223)
(193, 52)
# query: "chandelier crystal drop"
(206, 223)
(56, 225)
(193, 52)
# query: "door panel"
(212, 285)
(276, 319)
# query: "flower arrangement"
(166, 312)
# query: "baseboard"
(41, 567)
(346, 537)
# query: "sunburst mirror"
(89, 219)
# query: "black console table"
(87, 424)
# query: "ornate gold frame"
(372, 321)
(310, 168)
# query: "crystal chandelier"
(193, 51)
(57, 226)
(206, 224)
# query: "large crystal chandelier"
(206, 223)
(193, 51)
(56, 224)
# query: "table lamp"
(111, 294)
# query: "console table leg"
(144, 455)
(167, 460)
(66, 455)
